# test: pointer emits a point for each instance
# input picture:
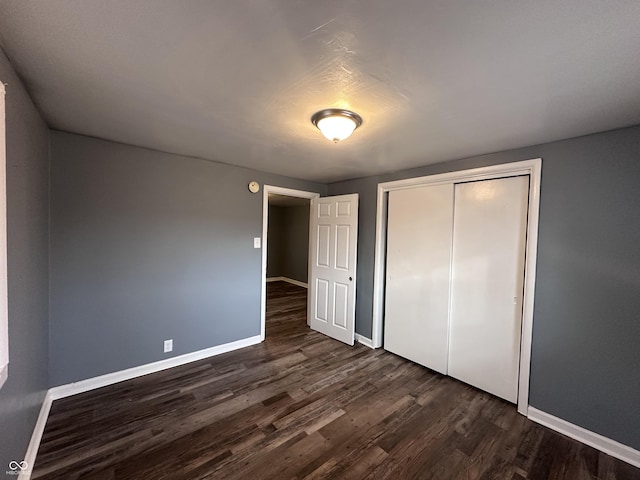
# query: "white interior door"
(489, 240)
(419, 233)
(332, 261)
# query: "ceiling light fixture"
(335, 123)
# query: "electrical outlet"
(256, 242)
(168, 345)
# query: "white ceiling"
(237, 81)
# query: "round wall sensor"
(254, 187)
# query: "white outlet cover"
(168, 346)
(256, 242)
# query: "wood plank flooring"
(303, 406)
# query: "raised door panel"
(322, 301)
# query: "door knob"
(350, 279)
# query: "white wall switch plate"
(168, 345)
(256, 242)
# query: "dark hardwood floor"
(303, 406)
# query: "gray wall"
(288, 242)
(147, 246)
(585, 358)
(275, 240)
(28, 267)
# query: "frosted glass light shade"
(336, 128)
(336, 124)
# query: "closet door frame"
(533, 168)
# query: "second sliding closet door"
(489, 238)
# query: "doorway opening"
(285, 241)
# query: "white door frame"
(267, 189)
(533, 168)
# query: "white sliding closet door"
(419, 234)
(489, 239)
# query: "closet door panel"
(489, 237)
(419, 234)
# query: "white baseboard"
(367, 342)
(62, 391)
(115, 377)
(288, 280)
(604, 444)
(36, 437)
